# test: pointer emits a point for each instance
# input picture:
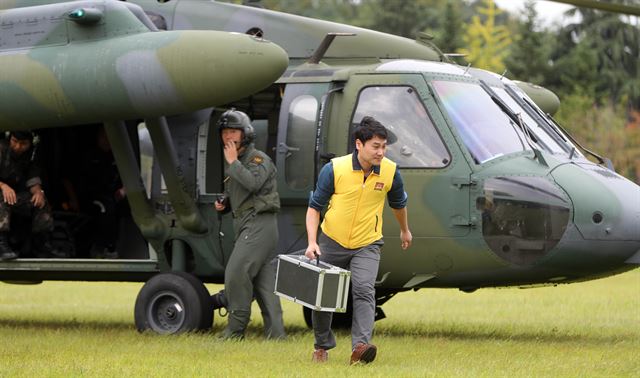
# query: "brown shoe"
(364, 353)
(320, 355)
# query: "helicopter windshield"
(549, 122)
(543, 139)
(486, 130)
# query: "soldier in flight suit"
(251, 194)
(22, 193)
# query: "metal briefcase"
(322, 287)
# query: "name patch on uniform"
(257, 159)
(379, 186)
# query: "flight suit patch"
(379, 186)
(257, 160)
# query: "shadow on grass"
(105, 325)
(254, 330)
(65, 324)
(446, 332)
(551, 335)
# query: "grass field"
(592, 329)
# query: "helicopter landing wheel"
(171, 303)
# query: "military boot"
(43, 247)
(219, 300)
(6, 253)
(238, 320)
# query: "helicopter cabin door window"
(413, 140)
(295, 151)
(301, 132)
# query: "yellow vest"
(354, 215)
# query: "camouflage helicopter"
(499, 194)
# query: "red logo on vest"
(379, 186)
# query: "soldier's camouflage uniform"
(21, 173)
(252, 192)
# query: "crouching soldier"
(22, 194)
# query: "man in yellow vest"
(355, 186)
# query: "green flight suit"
(252, 191)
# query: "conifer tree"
(528, 58)
(486, 43)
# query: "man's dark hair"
(22, 135)
(368, 128)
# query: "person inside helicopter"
(23, 195)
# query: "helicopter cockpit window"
(413, 140)
(301, 132)
(544, 140)
(485, 129)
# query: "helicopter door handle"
(461, 221)
(284, 149)
(459, 182)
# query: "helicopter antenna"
(454, 55)
(502, 76)
(324, 46)
(451, 57)
(467, 69)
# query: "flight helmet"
(235, 119)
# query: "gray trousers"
(250, 271)
(363, 264)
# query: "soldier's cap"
(22, 135)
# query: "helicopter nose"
(606, 208)
(606, 205)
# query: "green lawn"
(86, 329)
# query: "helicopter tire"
(341, 320)
(173, 303)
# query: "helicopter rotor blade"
(601, 5)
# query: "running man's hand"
(313, 251)
(405, 238)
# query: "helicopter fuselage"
(499, 195)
